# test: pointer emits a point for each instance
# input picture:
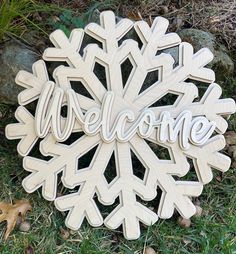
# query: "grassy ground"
(213, 233)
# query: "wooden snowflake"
(121, 118)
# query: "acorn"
(24, 226)
(164, 9)
(184, 223)
(149, 250)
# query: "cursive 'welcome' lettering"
(48, 118)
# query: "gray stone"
(198, 38)
(222, 64)
(14, 57)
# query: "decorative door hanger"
(120, 119)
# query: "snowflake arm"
(129, 212)
(210, 106)
(91, 181)
(211, 159)
(44, 173)
(203, 164)
(23, 130)
(213, 107)
(191, 66)
(154, 39)
(109, 33)
(32, 82)
(175, 194)
(67, 50)
(77, 211)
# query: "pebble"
(184, 223)
(24, 226)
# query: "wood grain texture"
(66, 158)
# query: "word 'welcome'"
(186, 128)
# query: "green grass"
(16, 17)
(213, 233)
(13, 16)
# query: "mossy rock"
(15, 57)
(222, 64)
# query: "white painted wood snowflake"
(121, 118)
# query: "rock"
(15, 56)
(234, 155)
(222, 64)
(184, 223)
(230, 137)
(95, 17)
(232, 150)
(233, 165)
(174, 52)
(198, 38)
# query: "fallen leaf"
(65, 234)
(11, 213)
(135, 15)
(55, 19)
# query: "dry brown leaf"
(135, 15)
(11, 213)
(65, 234)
